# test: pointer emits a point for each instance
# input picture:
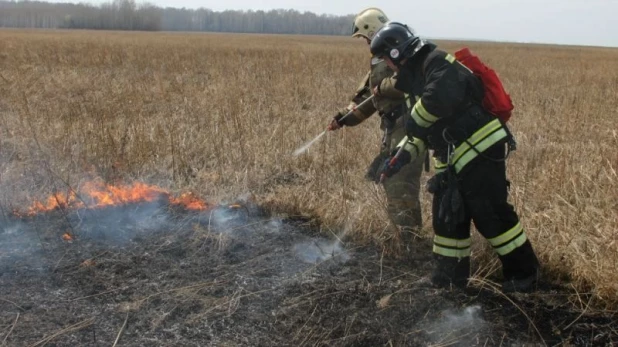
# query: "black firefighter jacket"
(445, 101)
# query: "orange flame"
(97, 194)
(67, 237)
(190, 202)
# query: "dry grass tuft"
(221, 114)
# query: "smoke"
(91, 231)
(119, 224)
(274, 225)
(10, 229)
(33, 242)
(457, 325)
(37, 243)
(469, 317)
(320, 250)
(20, 249)
(316, 251)
(220, 220)
(222, 217)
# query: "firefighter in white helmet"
(402, 190)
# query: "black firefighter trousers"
(483, 188)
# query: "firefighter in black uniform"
(469, 156)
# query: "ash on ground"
(146, 276)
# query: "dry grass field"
(220, 115)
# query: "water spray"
(306, 146)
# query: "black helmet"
(396, 41)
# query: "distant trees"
(129, 15)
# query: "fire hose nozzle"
(391, 163)
(369, 99)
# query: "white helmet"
(368, 22)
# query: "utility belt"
(459, 140)
(450, 161)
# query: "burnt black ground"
(150, 276)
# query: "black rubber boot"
(451, 272)
(520, 269)
(521, 285)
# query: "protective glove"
(375, 168)
(394, 164)
(338, 122)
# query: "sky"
(575, 22)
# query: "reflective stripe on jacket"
(447, 105)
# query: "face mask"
(376, 60)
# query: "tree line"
(129, 15)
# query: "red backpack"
(496, 100)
